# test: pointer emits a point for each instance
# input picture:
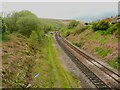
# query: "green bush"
(101, 25)
(66, 32)
(33, 41)
(112, 29)
(95, 26)
(80, 29)
(73, 24)
(5, 37)
(11, 20)
(80, 44)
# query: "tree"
(28, 24)
(12, 19)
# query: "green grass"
(115, 63)
(97, 36)
(100, 51)
(80, 44)
(50, 68)
(4, 37)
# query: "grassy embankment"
(27, 51)
(50, 69)
(103, 47)
(20, 65)
(17, 60)
(101, 43)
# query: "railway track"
(91, 75)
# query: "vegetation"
(112, 29)
(100, 38)
(79, 29)
(72, 24)
(25, 31)
(100, 51)
(50, 68)
(115, 63)
(33, 41)
(28, 50)
(101, 25)
(66, 32)
(17, 62)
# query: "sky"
(85, 11)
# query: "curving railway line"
(101, 76)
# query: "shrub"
(80, 44)
(94, 26)
(33, 41)
(101, 25)
(80, 29)
(73, 24)
(68, 32)
(11, 19)
(112, 29)
(5, 37)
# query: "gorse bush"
(112, 29)
(66, 32)
(73, 24)
(101, 25)
(79, 29)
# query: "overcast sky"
(86, 11)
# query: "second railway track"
(95, 79)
